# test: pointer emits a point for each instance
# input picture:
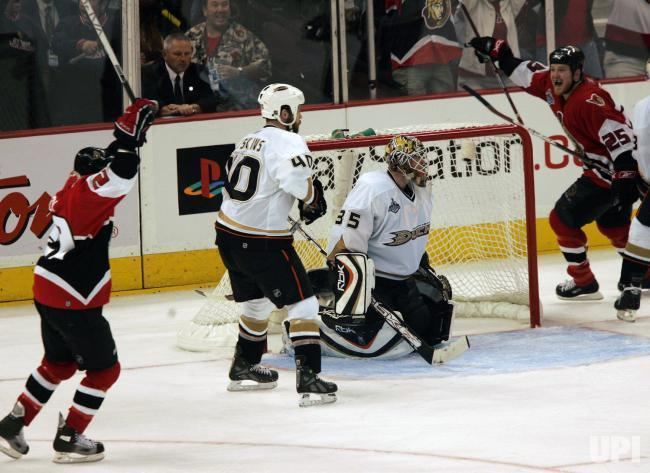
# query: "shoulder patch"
(596, 100)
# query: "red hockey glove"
(486, 47)
(317, 208)
(131, 128)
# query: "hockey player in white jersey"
(387, 217)
(636, 257)
(267, 172)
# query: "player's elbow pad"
(125, 164)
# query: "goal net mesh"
(481, 234)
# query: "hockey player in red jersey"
(606, 190)
(72, 283)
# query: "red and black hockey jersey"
(420, 32)
(74, 272)
(589, 116)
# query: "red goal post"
(482, 227)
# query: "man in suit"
(175, 83)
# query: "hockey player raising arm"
(72, 283)
(597, 126)
(386, 217)
(267, 172)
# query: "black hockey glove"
(624, 181)
(131, 128)
(317, 208)
(486, 47)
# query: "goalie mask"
(407, 155)
(91, 160)
(274, 97)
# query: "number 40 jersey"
(267, 171)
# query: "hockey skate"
(72, 447)
(628, 303)
(570, 291)
(245, 376)
(12, 440)
(312, 390)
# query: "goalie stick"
(495, 69)
(536, 133)
(430, 354)
(107, 48)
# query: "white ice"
(170, 411)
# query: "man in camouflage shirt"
(240, 59)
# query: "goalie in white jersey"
(387, 217)
(267, 172)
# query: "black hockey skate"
(570, 291)
(245, 376)
(628, 303)
(12, 440)
(72, 447)
(645, 284)
(312, 390)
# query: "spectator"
(20, 78)
(627, 38)
(424, 50)
(238, 61)
(494, 18)
(90, 88)
(573, 25)
(151, 39)
(174, 81)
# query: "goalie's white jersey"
(385, 222)
(267, 171)
(641, 122)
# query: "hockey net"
(482, 227)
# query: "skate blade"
(626, 315)
(65, 457)
(236, 386)
(15, 454)
(451, 350)
(306, 399)
(594, 296)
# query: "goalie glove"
(318, 207)
(131, 128)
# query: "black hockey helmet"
(91, 160)
(569, 55)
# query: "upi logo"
(615, 448)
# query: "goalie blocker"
(355, 280)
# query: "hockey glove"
(317, 208)
(131, 128)
(624, 187)
(624, 180)
(486, 47)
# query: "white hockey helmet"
(275, 96)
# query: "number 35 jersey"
(588, 115)
(267, 171)
(387, 223)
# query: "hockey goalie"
(377, 248)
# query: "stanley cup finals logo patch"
(436, 13)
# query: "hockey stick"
(536, 133)
(107, 48)
(494, 66)
(429, 353)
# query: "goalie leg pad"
(355, 280)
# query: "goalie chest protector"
(388, 224)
